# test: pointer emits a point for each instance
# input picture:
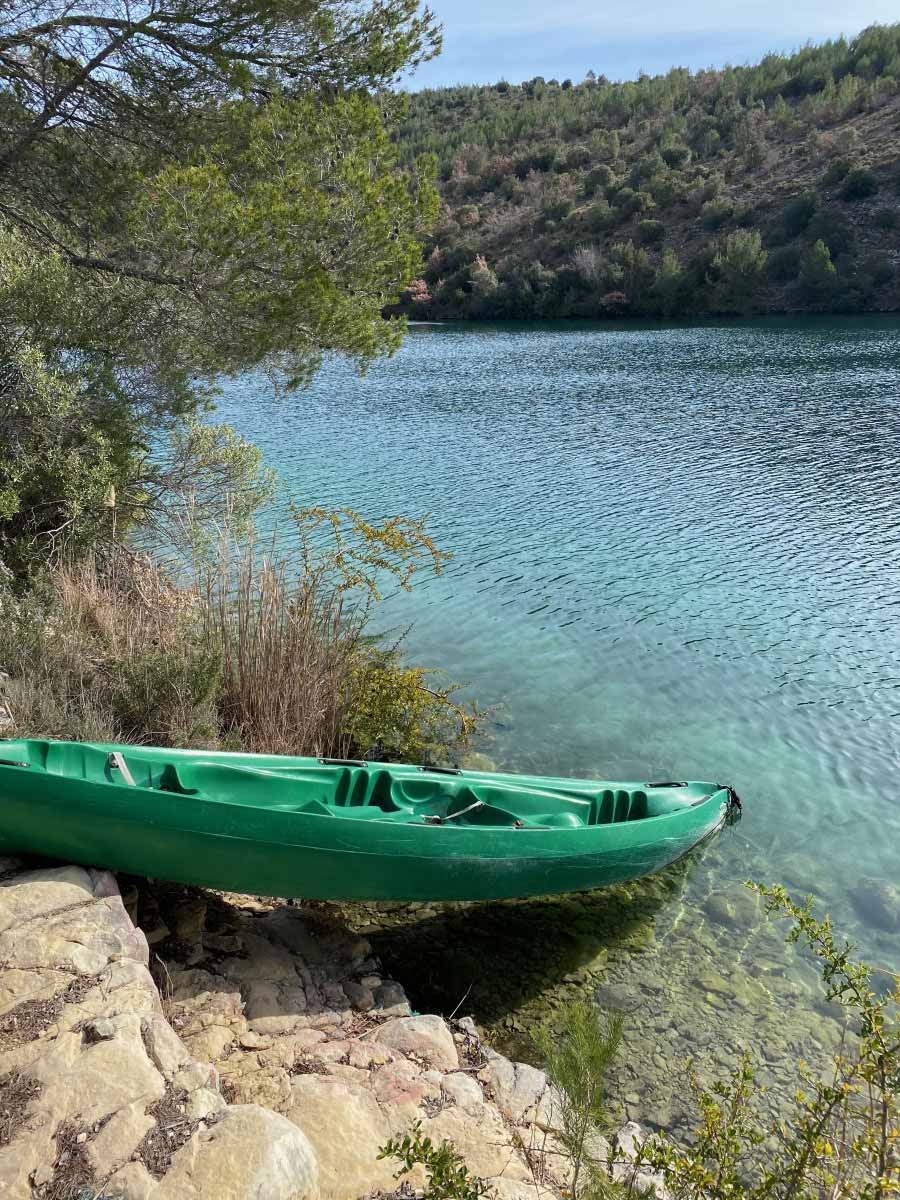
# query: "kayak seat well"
(612, 807)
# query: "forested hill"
(768, 188)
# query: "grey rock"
(878, 903)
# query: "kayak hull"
(276, 826)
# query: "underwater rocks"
(877, 902)
(738, 909)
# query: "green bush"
(676, 155)
(651, 232)
(798, 213)
(629, 201)
(784, 264)
(576, 1062)
(844, 1139)
(601, 217)
(831, 226)
(859, 184)
(556, 209)
(577, 156)
(715, 213)
(878, 267)
(597, 178)
(265, 654)
(448, 1176)
(818, 275)
(837, 170)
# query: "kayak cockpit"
(367, 791)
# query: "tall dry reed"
(288, 645)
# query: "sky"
(487, 40)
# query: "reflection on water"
(676, 555)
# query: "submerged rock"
(877, 902)
(738, 909)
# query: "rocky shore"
(167, 1043)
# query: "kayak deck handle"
(667, 783)
(343, 762)
(116, 762)
(442, 770)
(11, 762)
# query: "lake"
(676, 555)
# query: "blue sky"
(487, 40)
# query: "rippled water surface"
(676, 555)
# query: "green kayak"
(341, 830)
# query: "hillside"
(766, 188)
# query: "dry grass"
(288, 648)
(16, 1093)
(257, 653)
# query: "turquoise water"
(676, 555)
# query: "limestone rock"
(520, 1091)
(132, 1182)
(251, 1154)
(114, 1145)
(482, 1140)
(163, 1044)
(628, 1142)
(390, 1000)
(427, 1038)
(346, 1128)
(463, 1090)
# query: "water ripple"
(675, 549)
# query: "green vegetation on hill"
(766, 188)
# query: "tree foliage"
(186, 193)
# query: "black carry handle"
(343, 762)
(441, 770)
(9, 762)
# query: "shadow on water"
(514, 964)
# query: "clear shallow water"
(676, 556)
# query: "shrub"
(844, 1139)
(715, 213)
(832, 227)
(798, 213)
(837, 170)
(818, 275)
(629, 201)
(886, 218)
(262, 653)
(577, 156)
(859, 184)
(878, 268)
(784, 264)
(448, 1175)
(576, 1063)
(597, 178)
(601, 217)
(556, 209)
(738, 270)
(651, 232)
(676, 156)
